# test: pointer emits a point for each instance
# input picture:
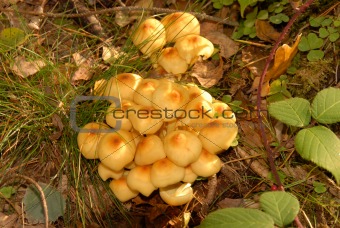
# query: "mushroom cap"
(114, 114)
(190, 47)
(144, 91)
(149, 150)
(170, 98)
(199, 113)
(106, 173)
(116, 149)
(176, 194)
(139, 179)
(149, 36)
(145, 119)
(180, 24)
(172, 62)
(189, 175)
(164, 173)
(196, 93)
(218, 135)
(207, 164)
(122, 86)
(121, 190)
(223, 110)
(88, 141)
(182, 147)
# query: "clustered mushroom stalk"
(164, 135)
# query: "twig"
(120, 8)
(212, 184)
(271, 159)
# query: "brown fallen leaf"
(24, 68)
(85, 71)
(207, 73)
(265, 31)
(228, 47)
(124, 18)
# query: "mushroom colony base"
(162, 135)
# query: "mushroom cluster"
(180, 28)
(164, 135)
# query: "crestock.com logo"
(73, 113)
(145, 113)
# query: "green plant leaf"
(316, 21)
(315, 55)
(262, 15)
(334, 37)
(10, 38)
(293, 111)
(321, 146)
(236, 218)
(244, 4)
(304, 45)
(319, 187)
(217, 5)
(7, 191)
(326, 22)
(326, 106)
(323, 33)
(33, 204)
(314, 41)
(282, 206)
(336, 23)
(227, 2)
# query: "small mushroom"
(122, 86)
(207, 164)
(164, 173)
(218, 135)
(176, 194)
(172, 62)
(180, 24)
(121, 189)
(191, 47)
(149, 36)
(106, 173)
(145, 119)
(149, 150)
(88, 141)
(139, 179)
(144, 91)
(195, 93)
(223, 110)
(114, 114)
(189, 175)
(116, 149)
(199, 113)
(182, 147)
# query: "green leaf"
(10, 38)
(314, 41)
(293, 111)
(304, 45)
(244, 4)
(217, 5)
(334, 37)
(276, 19)
(315, 55)
(326, 22)
(319, 187)
(34, 208)
(321, 146)
(279, 9)
(336, 23)
(237, 218)
(323, 33)
(263, 15)
(281, 206)
(316, 21)
(326, 106)
(7, 192)
(227, 2)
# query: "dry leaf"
(283, 58)
(24, 68)
(265, 31)
(124, 18)
(207, 73)
(228, 47)
(111, 53)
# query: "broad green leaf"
(326, 106)
(237, 218)
(34, 208)
(10, 38)
(304, 45)
(7, 192)
(334, 37)
(321, 146)
(263, 15)
(293, 111)
(227, 2)
(315, 55)
(244, 4)
(323, 33)
(281, 206)
(314, 41)
(327, 22)
(316, 21)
